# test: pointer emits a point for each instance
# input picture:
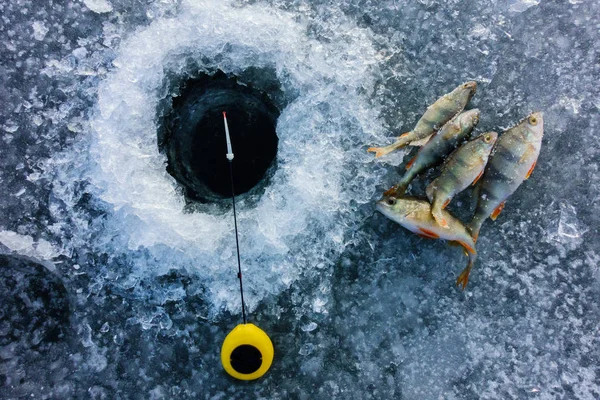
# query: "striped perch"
(513, 161)
(434, 118)
(462, 168)
(415, 215)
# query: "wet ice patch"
(300, 219)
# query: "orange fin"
(379, 151)
(497, 211)
(439, 218)
(411, 162)
(466, 246)
(445, 204)
(429, 234)
(405, 134)
(391, 191)
(478, 176)
(463, 278)
(530, 170)
(424, 236)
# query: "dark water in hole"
(195, 142)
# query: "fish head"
(469, 119)
(470, 87)
(535, 125)
(463, 93)
(487, 140)
(396, 209)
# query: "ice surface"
(145, 290)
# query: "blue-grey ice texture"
(113, 289)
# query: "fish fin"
(467, 247)
(530, 170)
(497, 211)
(420, 142)
(436, 213)
(446, 204)
(429, 234)
(405, 134)
(424, 236)
(391, 191)
(439, 218)
(478, 177)
(379, 151)
(463, 278)
(411, 162)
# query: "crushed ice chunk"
(98, 6)
(311, 326)
(80, 52)
(25, 245)
(39, 30)
(522, 5)
(568, 225)
(10, 127)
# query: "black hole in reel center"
(195, 138)
(246, 359)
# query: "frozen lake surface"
(114, 287)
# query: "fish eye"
(391, 201)
(487, 138)
(533, 120)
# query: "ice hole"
(195, 137)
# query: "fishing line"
(237, 242)
(247, 351)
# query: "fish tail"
(463, 278)
(382, 151)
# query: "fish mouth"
(383, 208)
(472, 86)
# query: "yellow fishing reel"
(247, 352)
